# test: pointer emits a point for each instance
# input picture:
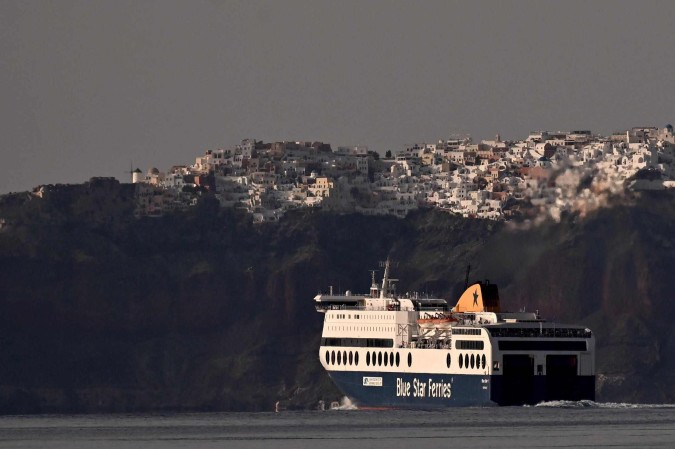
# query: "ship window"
(483, 360)
(379, 359)
(447, 360)
(391, 359)
(535, 345)
(339, 358)
(358, 342)
(461, 361)
(463, 331)
(466, 360)
(398, 359)
(327, 357)
(386, 359)
(472, 361)
(351, 357)
(367, 358)
(332, 358)
(356, 358)
(344, 357)
(469, 344)
(409, 360)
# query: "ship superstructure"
(385, 350)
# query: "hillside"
(202, 310)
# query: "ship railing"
(391, 307)
(437, 344)
(324, 307)
(545, 332)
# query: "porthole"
(332, 357)
(466, 361)
(461, 361)
(344, 357)
(391, 358)
(339, 358)
(386, 359)
(398, 359)
(356, 358)
(473, 361)
(483, 359)
(379, 359)
(409, 360)
(327, 357)
(447, 360)
(367, 358)
(351, 357)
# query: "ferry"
(388, 351)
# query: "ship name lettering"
(402, 388)
(419, 388)
(439, 389)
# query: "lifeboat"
(441, 321)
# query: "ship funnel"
(479, 297)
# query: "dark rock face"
(204, 311)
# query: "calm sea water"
(562, 425)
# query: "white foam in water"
(593, 404)
(345, 404)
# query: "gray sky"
(86, 87)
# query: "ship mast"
(373, 286)
(385, 281)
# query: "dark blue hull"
(422, 390)
(413, 390)
(535, 389)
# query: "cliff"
(202, 310)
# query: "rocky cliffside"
(205, 311)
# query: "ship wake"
(344, 404)
(593, 404)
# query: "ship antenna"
(466, 279)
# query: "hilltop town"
(545, 175)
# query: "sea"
(554, 424)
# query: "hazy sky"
(86, 87)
